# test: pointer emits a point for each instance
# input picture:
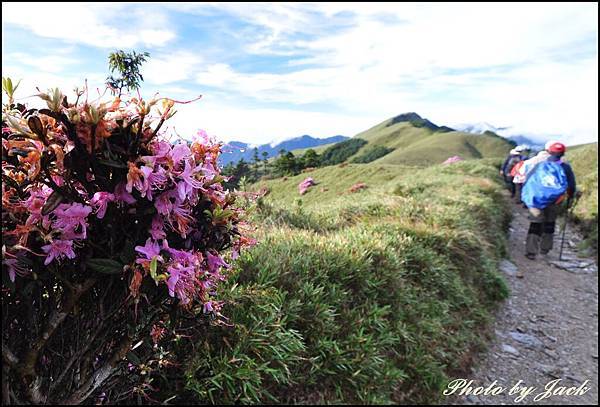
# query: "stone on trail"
(576, 267)
(526, 339)
(509, 349)
(508, 267)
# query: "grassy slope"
(584, 160)
(421, 146)
(373, 297)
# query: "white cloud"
(44, 63)
(88, 24)
(32, 80)
(172, 67)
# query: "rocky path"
(546, 333)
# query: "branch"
(5, 384)
(100, 375)
(27, 370)
(104, 372)
(8, 356)
(90, 340)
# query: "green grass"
(584, 160)
(372, 297)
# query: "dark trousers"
(510, 185)
(518, 188)
(541, 229)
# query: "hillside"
(584, 160)
(411, 140)
(417, 141)
(372, 297)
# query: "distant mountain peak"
(406, 117)
(417, 121)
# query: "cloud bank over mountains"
(270, 72)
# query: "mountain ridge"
(234, 151)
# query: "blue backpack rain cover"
(546, 183)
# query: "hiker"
(518, 173)
(549, 180)
(513, 158)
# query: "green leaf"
(153, 266)
(105, 266)
(52, 202)
(111, 163)
(133, 358)
(127, 255)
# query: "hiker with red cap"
(549, 180)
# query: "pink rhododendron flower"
(35, 203)
(163, 203)
(150, 250)
(100, 201)
(58, 249)
(180, 152)
(187, 175)
(181, 280)
(122, 195)
(203, 138)
(215, 262)
(157, 230)
(15, 267)
(70, 217)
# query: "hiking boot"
(544, 252)
(530, 256)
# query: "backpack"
(511, 163)
(545, 185)
(516, 168)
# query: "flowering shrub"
(453, 159)
(111, 235)
(304, 185)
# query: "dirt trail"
(546, 330)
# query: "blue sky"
(272, 71)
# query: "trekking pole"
(569, 210)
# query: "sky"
(273, 71)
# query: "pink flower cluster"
(453, 159)
(304, 185)
(67, 224)
(78, 165)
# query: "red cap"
(556, 148)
